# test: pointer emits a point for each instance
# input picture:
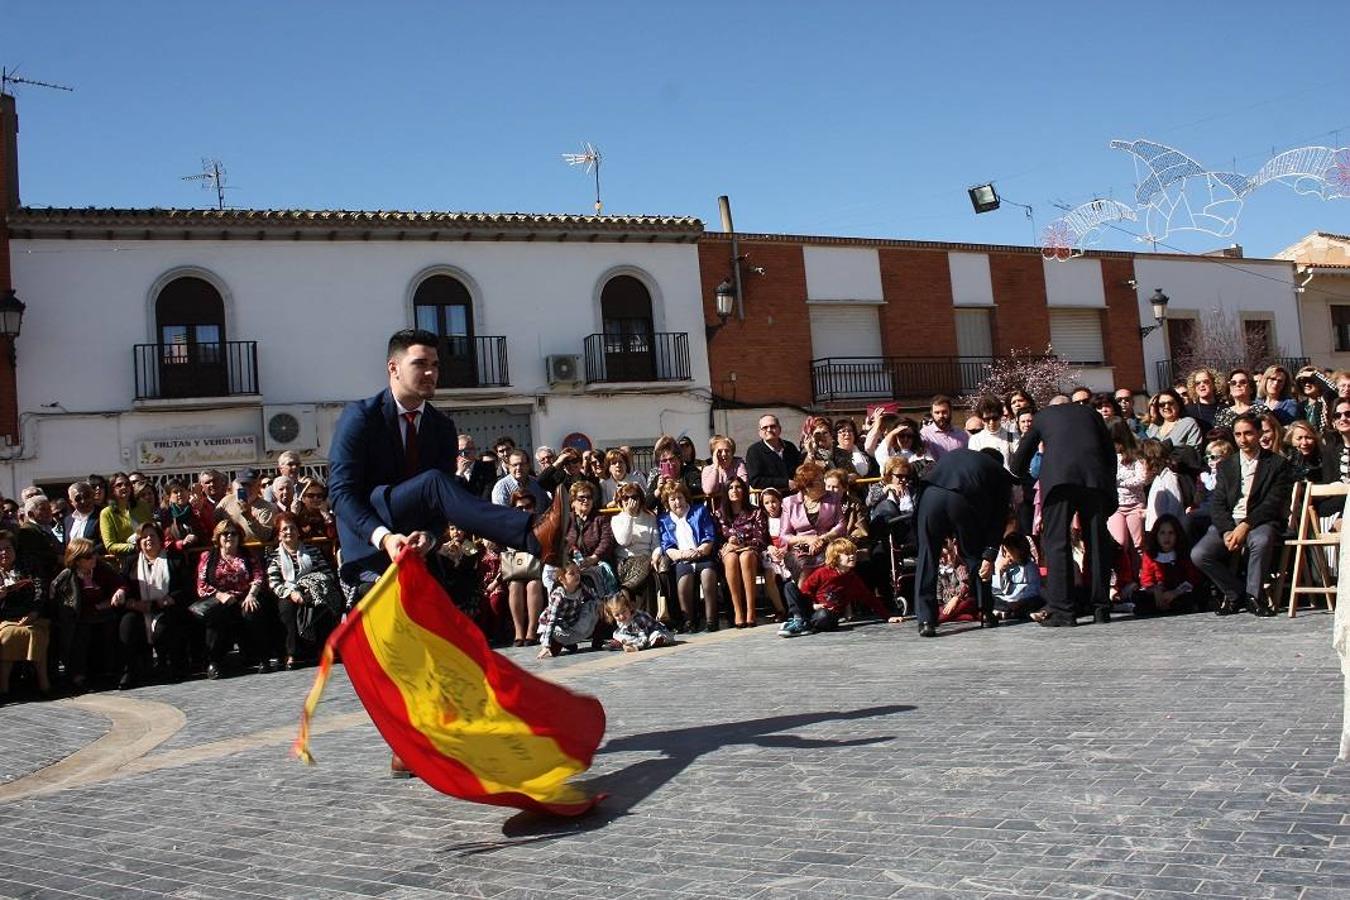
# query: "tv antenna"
(212, 176)
(590, 158)
(11, 76)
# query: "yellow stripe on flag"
(449, 701)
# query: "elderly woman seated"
(24, 627)
(232, 604)
(688, 537)
(811, 518)
(309, 600)
(637, 544)
(154, 598)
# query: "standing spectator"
(544, 456)
(246, 508)
(1204, 390)
(1312, 400)
(994, 436)
(214, 485)
(688, 452)
(771, 461)
(565, 471)
(671, 469)
(183, 528)
(288, 466)
(82, 522)
(723, 467)
(312, 514)
(501, 451)
(619, 473)
(525, 593)
(847, 452)
(1126, 524)
(1247, 510)
(1124, 398)
(99, 486)
(232, 604)
(745, 535)
(24, 630)
(82, 596)
(518, 478)
(118, 521)
(903, 441)
(1274, 390)
(940, 435)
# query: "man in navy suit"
(83, 519)
(393, 473)
(965, 494)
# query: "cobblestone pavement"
(1151, 759)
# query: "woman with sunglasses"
(589, 540)
(1168, 422)
(1242, 399)
(1205, 393)
(1274, 390)
(312, 514)
(637, 543)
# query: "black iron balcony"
(659, 356)
(181, 371)
(1170, 370)
(896, 377)
(473, 362)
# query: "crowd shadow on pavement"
(679, 748)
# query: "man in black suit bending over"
(1078, 477)
(392, 473)
(966, 493)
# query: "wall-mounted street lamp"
(11, 320)
(1159, 302)
(725, 298)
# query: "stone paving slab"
(1153, 759)
(35, 735)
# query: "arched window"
(443, 306)
(190, 328)
(626, 311)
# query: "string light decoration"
(1175, 192)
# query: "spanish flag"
(464, 719)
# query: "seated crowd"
(120, 582)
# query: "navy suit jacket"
(367, 456)
(91, 531)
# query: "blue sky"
(846, 118)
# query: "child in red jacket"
(819, 602)
(1169, 583)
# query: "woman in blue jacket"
(687, 540)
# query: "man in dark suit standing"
(83, 519)
(1248, 508)
(1078, 477)
(393, 473)
(966, 493)
(771, 461)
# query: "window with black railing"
(183, 370)
(638, 355)
(473, 362)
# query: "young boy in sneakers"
(821, 599)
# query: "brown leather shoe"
(397, 769)
(548, 530)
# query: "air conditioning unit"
(564, 369)
(292, 427)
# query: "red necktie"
(410, 449)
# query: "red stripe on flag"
(576, 722)
(384, 702)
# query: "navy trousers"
(942, 514)
(432, 499)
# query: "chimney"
(9, 155)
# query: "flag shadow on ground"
(680, 748)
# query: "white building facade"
(170, 341)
